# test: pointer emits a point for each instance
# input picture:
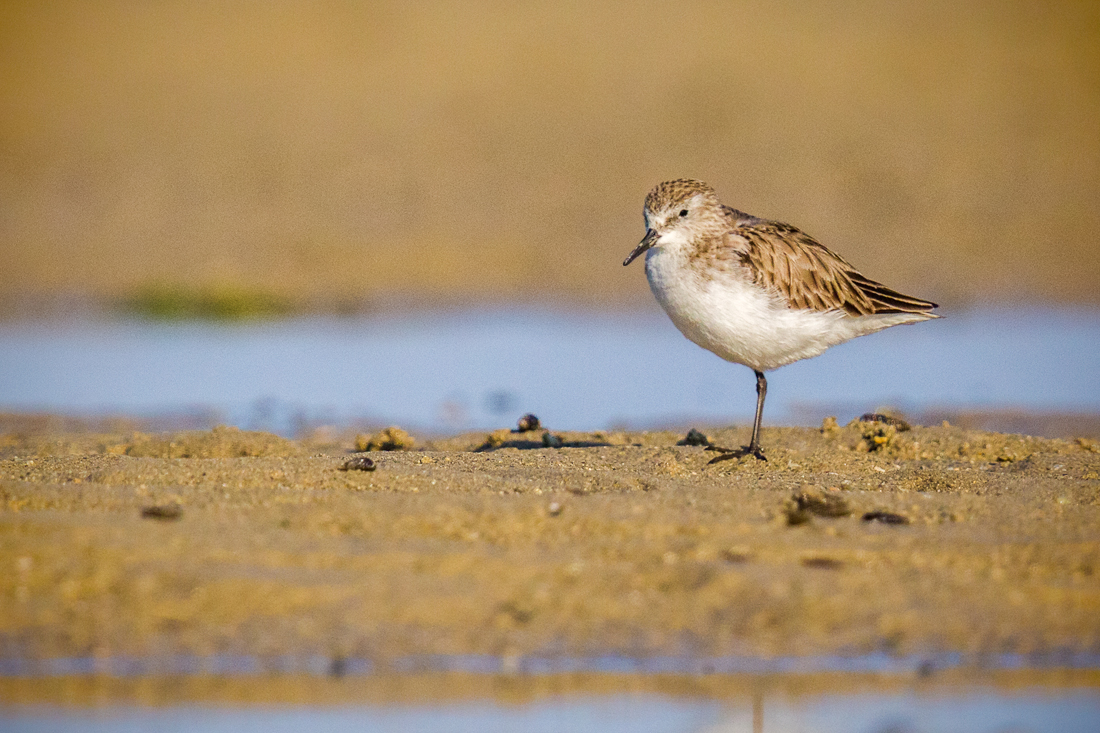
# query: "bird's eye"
(683, 212)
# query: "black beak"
(647, 242)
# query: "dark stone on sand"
(885, 517)
(358, 463)
(527, 423)
(822, 563)
(694, 437)
(900, 425)
(164, 513)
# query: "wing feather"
(793, 264)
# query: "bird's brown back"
(786, 260)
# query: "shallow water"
(576, 371)
(487, 664)
(973, 712)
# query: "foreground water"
(978, 711)
(576, 371)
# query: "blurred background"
(298, 163)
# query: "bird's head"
(674, 210)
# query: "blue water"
(488, 664)
(967, 708)
(575, 371)
(976, 711)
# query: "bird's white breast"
(725, 313)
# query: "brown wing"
(799, 268)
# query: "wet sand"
(849, 541)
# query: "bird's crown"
(672, 193)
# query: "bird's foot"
(746, 450)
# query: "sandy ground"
(849, 540)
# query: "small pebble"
(885, 517)
(899, 424)
(164, 513)
(694, 437)
(554, 509)
(528, 423)
(338, 667)
(358, 463)
(824, 563)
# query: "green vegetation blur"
(313, 154)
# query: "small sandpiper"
(754, 291)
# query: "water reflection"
(975, 711)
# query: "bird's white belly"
(742, 323)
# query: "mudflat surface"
(847, 541)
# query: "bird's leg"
(753, 448)
(761, 392)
